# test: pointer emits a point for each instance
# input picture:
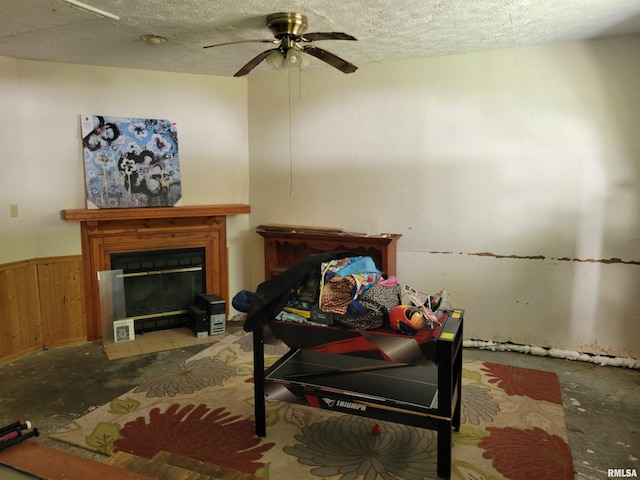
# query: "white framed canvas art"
(130, 162)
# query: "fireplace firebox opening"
(160, 285)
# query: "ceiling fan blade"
(330, 58)
(312, 37)
(253, 63)
(241, 41)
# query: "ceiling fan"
(288, 29)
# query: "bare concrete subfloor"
(54, 387)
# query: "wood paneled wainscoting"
(41, 305)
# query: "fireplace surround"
(106, 232)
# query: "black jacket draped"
(274, 293)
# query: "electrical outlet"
(13, 209)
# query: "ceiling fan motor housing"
(287, 24)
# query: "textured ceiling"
(387, 30)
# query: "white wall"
(42, 165)
(17, 239)
(513, 176)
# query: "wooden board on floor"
(52, 464)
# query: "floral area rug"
(513, 425)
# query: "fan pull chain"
(291, 123)
(290, 141)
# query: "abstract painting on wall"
(130, 162)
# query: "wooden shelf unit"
(284, 247)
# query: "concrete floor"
(54, 387)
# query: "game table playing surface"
(411, 387)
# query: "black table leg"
(444, 449)
(258, 382)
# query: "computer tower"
(199, 321)
(215, 307)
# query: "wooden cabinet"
(285, 246)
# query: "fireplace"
(159, 286)
(111, 232)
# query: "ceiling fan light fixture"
(275, 60)
(289, 29)
(296, 59)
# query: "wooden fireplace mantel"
(108, 231)
(85, 215)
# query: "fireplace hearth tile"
(156, 342)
